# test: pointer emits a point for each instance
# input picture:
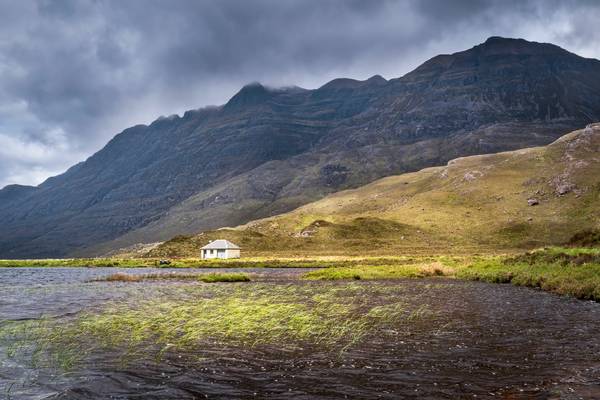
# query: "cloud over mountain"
(73, 73)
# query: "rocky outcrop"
(270, 150)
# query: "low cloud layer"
(73, 73)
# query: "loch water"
(484, 341)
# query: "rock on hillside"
(269, 151)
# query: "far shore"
(561, 270)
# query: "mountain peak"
(494, 48)
(348, 83)
(377, 79)
(497, 39)
(497, 45)
(14, 192)
(251, 94)
(341, 83)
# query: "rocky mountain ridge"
(269, 151)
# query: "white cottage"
(220, 249)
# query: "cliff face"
(270, 150)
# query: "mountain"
(268, 151)
(12, 193)
(505, 201)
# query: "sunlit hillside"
(498, 202)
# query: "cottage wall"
(213, 253)
(207, 254)
(232, 253)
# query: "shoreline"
(565, 271)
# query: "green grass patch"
(580, 281)
(559, 255)
(381, 272)
(566, 271)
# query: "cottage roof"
(221, 244)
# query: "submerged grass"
(326, 317)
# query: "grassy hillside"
(499, 202)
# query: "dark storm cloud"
(75, 72)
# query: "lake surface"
(481, 341)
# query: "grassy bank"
(382, 272)
(572, 271)
(88, 262)
(566, 271)
(580, 281)
(206, 278)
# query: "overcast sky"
(75, 73)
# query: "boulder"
(564, 188)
